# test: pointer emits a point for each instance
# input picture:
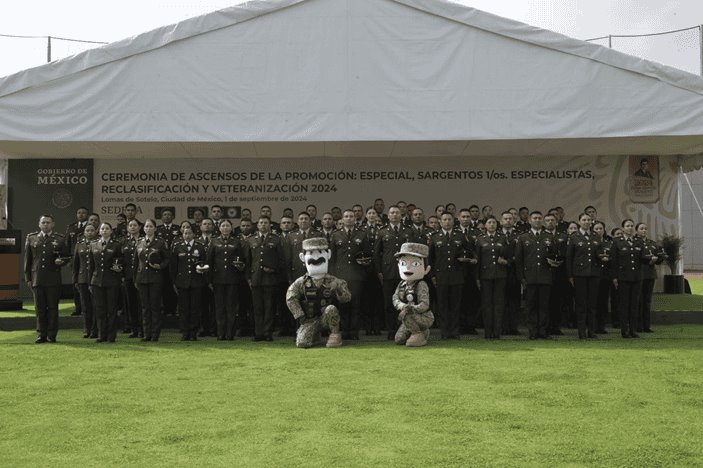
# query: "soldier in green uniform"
(74, 232)
(349, 247)
(106, 279)
(266, 261)
(513, 293)
(653, 255)
(493, 251)
(81, 280)
(312, 298)
(45, 252)
(152, 257)
(188, 276)
(412, 296)
(628, 253)
(130, 293)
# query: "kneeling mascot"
(312, 297)
(412, 296)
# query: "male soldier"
(562, 226)
(208, 319)
(475, 214)
(130, 211)
(522, 225)
(73, 232)
(216, 216)
(312, 297)
(405, 219)
(170, 233)
(447, 246)
(561, 293)
(511, 314)
(328, 226)
(420, 232)
(266, 211)
(245, 323)
(532, 263)
(198, 216)
(433, 223)
(267, 262)
(379, 205)
(294, 247)
(284, 318)
(351, 252)
(388, 242)
(470, 309)
(336, 213)
(312, 212)
(451, 209)
(45, 253)
(358, 215)
(189, 280)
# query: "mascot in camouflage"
(312, 297)
(412, 296)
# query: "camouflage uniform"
(420, 318)
(311, 303)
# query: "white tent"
(350, 77)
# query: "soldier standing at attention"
(44, 254)
(470, 309)
(627, 255)
(533, 268)
(169, 232)
(348, 245)
(73, 233)
(131, 295)
(388, 242)
(560, 295)
(492, 253)
(583, 269)
(511, 314)
(188, 279)
(81, 280)
(328, 226)
(266, 262)
(373, 304)
(207, 317)
(225, 258)
(152, 257)
(106, 268)
(446, 247)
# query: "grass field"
(515, 402)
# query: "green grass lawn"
(515, 402)
(696, 286)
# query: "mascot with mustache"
(412, 296)
(312, 297)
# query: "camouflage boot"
(416, 340)
(334, 340)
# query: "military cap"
(154, 257)
(315, 243)
(416, 250)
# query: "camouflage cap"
(416, 250)
(315, 243)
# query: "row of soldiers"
(221, 277)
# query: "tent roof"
(340, 76)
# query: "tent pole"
(48, 49)
(700, 46)
(679, 265)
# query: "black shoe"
(93, 335)
(592, 336)
(193, 337)
(532, 337)
(258, 338)
(268, 338)
(625, 335)
(127, 330)
(648, 330)
(51, 339)
(100, 340)
(220, 338)
(354, 337)
(86, 335)
(185, 338)
(602, 331)
(145, 339)
(76, 314)
(456, 337)
(582, 337)
(203, 333)
(556, 332)
(545, 337)
(154, 338)
(40, 340)
(111, 340)
(634, 335)
(133, 335)
(471, 331)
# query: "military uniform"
(208, 317)
(561, 295)
(531, 253)
(649, 276)
(185, 257)
(74, 232)
(81, 281)
(605, 288)
(121, 229)
(44, 276)
(626, 263)
(493, 276)
(312, 303)
(346, 247)
(106, 282)
(470, 309)
(418, 318)
(583, 265)
(513, 289)
(129, 290)
(226, 279)
(171, 234)
(388, 242)
(445, 250)
(149, 283)
(266, 261)
(373, 301)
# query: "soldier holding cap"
(312, 297)
(188, 270)
(106, 279)
(44, 255)
(152, 256)
(412, 296)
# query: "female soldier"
(583, 268)
(604, 283)
(106, 268)
(81, 279)
(131, 295)
(225, 256)
(627, 256)
(492, 253)
(653, 255)
(152, 256)
(614, 299)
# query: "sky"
(582, 19)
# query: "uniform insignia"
(547, 242)
(357, 241)
(498, 244)
(182, 254)
(196, 253)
